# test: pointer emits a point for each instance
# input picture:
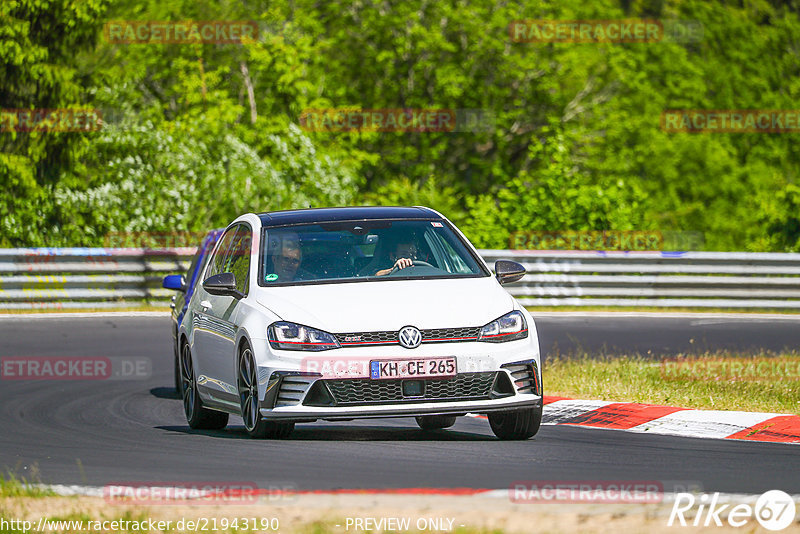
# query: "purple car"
(185, 285)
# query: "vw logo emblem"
(409, 337)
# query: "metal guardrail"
(658, 279)
(87, 277)
(116, 278)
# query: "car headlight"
(509, 327)
(291, 336)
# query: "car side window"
(216, 264)
(193, 266)
(237, 260)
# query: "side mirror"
(508, 271)
(174, 281)
(223, 285)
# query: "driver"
(403, 255)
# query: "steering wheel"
(414, 263)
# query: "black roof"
(362, 213)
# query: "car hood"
(389, 305)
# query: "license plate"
(420, 368)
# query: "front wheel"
(517, 424)
(247, 382)
(176, 371)
(436, 422)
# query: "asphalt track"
(126, 431)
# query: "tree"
(40, 68)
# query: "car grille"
(366, 338)
(435, 335)
(389, 337)
(362, 391)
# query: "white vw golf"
(343, 313)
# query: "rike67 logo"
(774, 510)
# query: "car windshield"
(364, 251)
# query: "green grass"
(650, 381)
(11, 486)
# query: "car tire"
(176, 368)
(517, 424)
(176, 371)
(436, 422)
(198, 416)
(247, 384)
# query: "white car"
(343, 313)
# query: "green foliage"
(40, 41)
(552, 195)
(136, 190)
(780, 216)
(196, 134)
(405, 192)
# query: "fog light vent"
(525, 376)
(292, 390)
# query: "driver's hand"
(402, 263)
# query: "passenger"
(288, 259)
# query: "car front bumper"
(401, 409)
(473, 358)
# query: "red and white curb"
(672, 421)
